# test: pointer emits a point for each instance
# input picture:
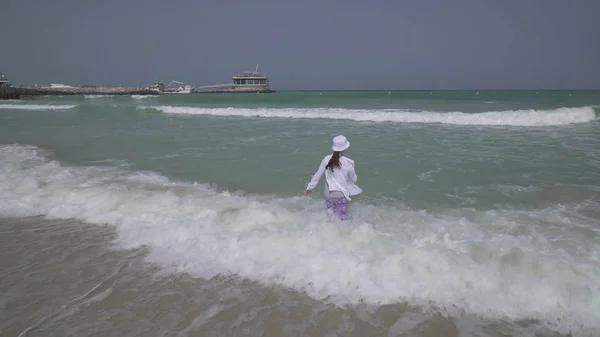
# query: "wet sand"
(64, 278)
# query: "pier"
(232, 89)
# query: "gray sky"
(308, 44)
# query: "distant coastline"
(245, 82)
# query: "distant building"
(252, 80)
(4, 82)
(247, 81)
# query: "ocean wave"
(35, 107)
(143, 96)
(97, 96)
(561, 116)
(453, 262)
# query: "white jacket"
(342, 178)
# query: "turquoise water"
(474, 203)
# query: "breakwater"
(17, 93)
(9, 93)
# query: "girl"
(340, 179)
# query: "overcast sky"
(308, 44)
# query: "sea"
(185, 215)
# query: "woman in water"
(340, 179)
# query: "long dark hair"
(334, 161)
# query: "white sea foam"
(36, 107)
(561, 116)
(97, 96)
(454, 261)
(143, 96)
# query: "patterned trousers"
(338, 206)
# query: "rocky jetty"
(17, 92)
(9, 93)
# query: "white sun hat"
(340, 143)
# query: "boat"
(4, 82)
(160, 88)
(245, 82)
(157, 87)
(186, 89)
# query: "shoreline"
(108, 280)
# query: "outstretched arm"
(316, 177)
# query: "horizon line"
(431, 90)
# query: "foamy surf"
(36, 107)
(561, 116)
(97, 96)
(143, 96)
(453, 261)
